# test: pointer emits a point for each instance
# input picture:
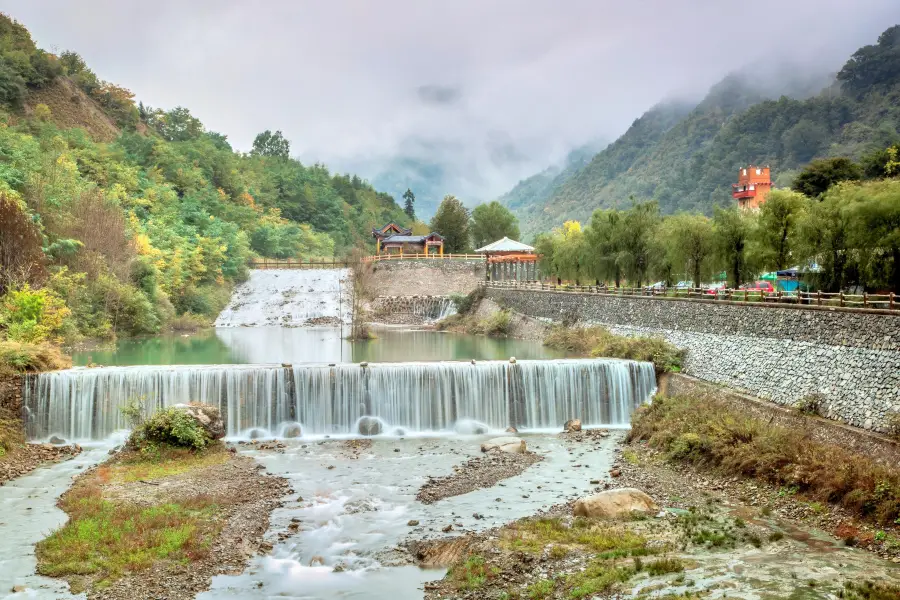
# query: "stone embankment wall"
(780, 354)
(432, 277)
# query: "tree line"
(839, 223)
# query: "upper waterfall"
(329, 399)
(290, 298)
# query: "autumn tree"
(21, 256)
(452, 221)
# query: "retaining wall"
(433, 277)
(779, 354)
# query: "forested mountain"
(687, 160)
(129, 215)
(530, 194)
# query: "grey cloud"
(356, 83)
(439, 94)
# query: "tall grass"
(706, 431)
(600, 342)
(19, 357)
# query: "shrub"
(811, 404)
(707, 431)
(16, 357)
(172, 427)
(497, 324)
(466, 303)
(32, 316)
(600, 342)
(892, 425)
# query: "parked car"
(713, 289)
(759, 286)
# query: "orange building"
(753, 187)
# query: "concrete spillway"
(289, 298)
(86, 403)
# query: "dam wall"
(781, 354)
(84, 403)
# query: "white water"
(354, 513)
(79, 404)
(28, 513)
(289, 298)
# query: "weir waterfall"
(330, 399)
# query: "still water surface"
(252, 345)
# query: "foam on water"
(330, 399)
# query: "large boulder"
(572, 425)
(615, 503)
(207, 416)
(370, 426)
(292, 430)
(511, 445)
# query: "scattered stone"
(511, 429)
(572, 425)
(477, 473)
(57, 440)
(412, 523)
(615, 503)
(18, 589)
(447, 529)
(316, 560)
(615, 472)
(511, 445)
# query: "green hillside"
(530, 194)
(689, 161)
(124, 216)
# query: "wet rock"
(57, 440)
(207, 416)
(316, 560)
(511, 429)
(412, 523)
(370, 426)
(511, 445)
(470, 427)
(292, 431)
(572, 425)
(338, 568)
(447, 529)
(18, 589)
(255, 434)
(615, 472)
(398, 431)
(615, 503)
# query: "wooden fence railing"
(382, 257)
(882, 302)
(297, 263)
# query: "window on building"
(759, 171)
(745, 172)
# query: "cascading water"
(289, 297)
(86, 403)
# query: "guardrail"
(297, 263)
(382, 257)
(889, 302)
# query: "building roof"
(505, 245)
(384, 231)
(411, 239)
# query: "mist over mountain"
(685, 156)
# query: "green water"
(296, 345)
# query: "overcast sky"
(507, 85)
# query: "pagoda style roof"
(389, 230)
(505, 245)
(412, 239)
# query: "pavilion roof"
(505, 245)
